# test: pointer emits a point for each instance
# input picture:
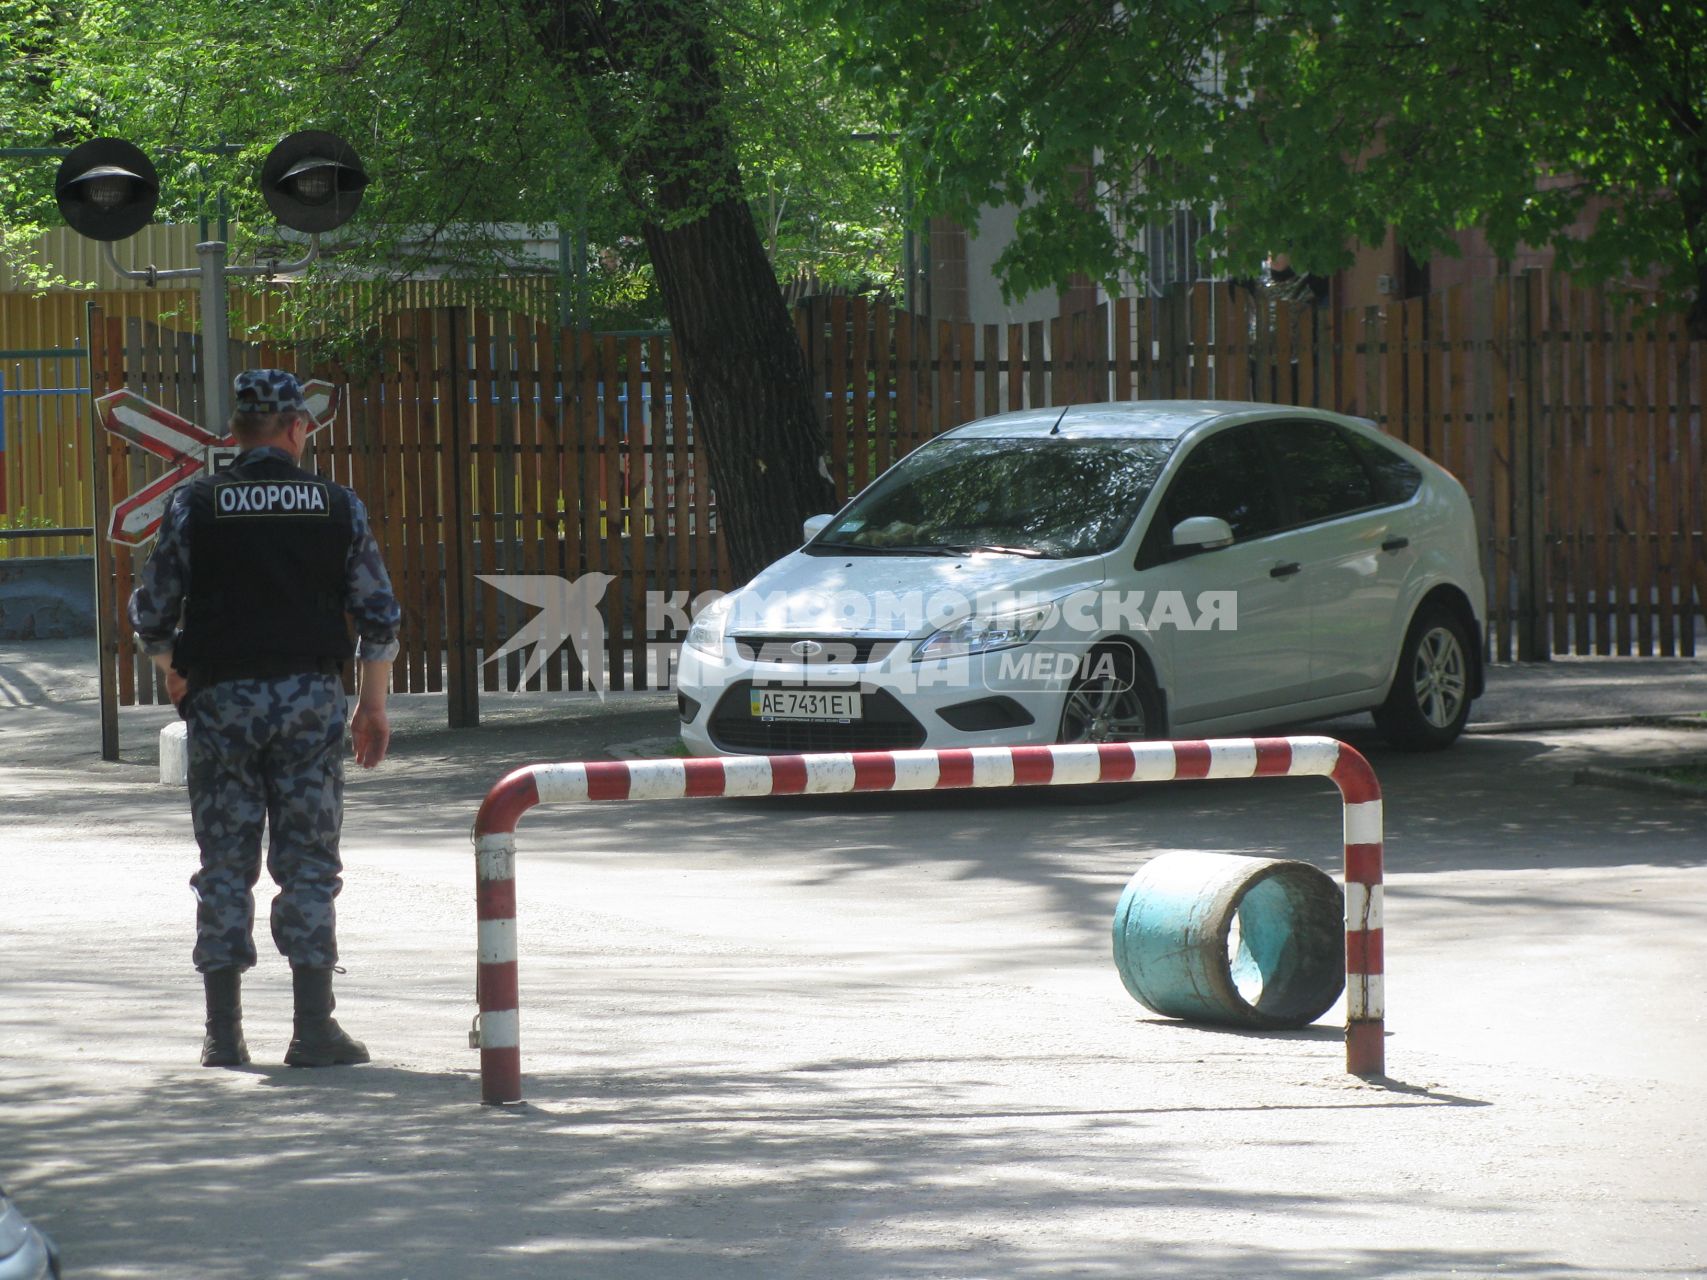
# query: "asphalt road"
(868, 1037)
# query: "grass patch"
(1692, 774)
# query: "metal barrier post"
(840, 773)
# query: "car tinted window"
(1055, 497)
(1320, 472)
(1396, 479)
(1224, 476)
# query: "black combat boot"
(316, 1038)
(223, 1045)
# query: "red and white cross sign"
(186, 447)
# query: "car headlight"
(710, 627)
(983, 632)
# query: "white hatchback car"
(1107, 572)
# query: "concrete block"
(175, 755)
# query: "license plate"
(805, 704)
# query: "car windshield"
(1050, 497)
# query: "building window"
(1170, 245)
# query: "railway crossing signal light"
(107, 189)
(312, 181)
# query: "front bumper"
(960, 702)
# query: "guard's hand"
(176, 687)
(371, 730)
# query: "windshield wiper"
(850, 548)
(886, 549)
(933, 549)
(964, 548)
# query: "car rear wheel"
(1429, 702)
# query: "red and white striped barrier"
(841, 772)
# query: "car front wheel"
(1429, 702)
(1112, 699)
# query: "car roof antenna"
(1056, 429)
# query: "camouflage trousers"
(267, 753)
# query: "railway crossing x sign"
(186, 447)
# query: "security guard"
(242, 605)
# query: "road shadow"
(1492, 803)
(1489, 804)
(385, 1172)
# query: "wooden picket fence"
(45, 480)
(491, 443)
(577, 456)
(1574, 421)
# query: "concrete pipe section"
(1240, 942)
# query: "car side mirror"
(1202, 533)
(814, 525)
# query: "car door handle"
(1395, 544)
(1285, 570)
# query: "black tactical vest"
(268, 547)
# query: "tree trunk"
(752, 392)
(1692, 203)
(646, 68)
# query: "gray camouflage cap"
(268, 391)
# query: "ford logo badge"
(806, 648)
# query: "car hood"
(898, 595)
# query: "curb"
(1669, 720)
(645, 748)
(1629, 780)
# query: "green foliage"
(823, 180)
(462, 113)
(441, 101)
(1693, 774)
(1309, 127)
(30, 114)
(1032, 105)
(22, 519)
(622, 290)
